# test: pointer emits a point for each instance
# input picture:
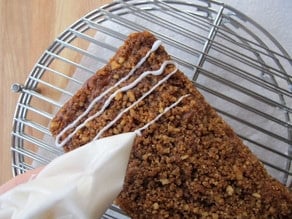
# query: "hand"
(20, 179)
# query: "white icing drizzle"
(123, 89)
(140, 99)
(154, 47)
(138, 131)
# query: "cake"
(186, 161)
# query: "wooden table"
(27, 29)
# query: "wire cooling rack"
(237, 65)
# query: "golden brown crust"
(189, 164)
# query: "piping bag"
(80, 184)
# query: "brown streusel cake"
(189, 163)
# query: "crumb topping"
(188, 164)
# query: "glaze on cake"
(186, 161)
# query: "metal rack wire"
(237, 65)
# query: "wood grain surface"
(27, 28)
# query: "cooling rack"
(243, 72)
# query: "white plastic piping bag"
(80, 184)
